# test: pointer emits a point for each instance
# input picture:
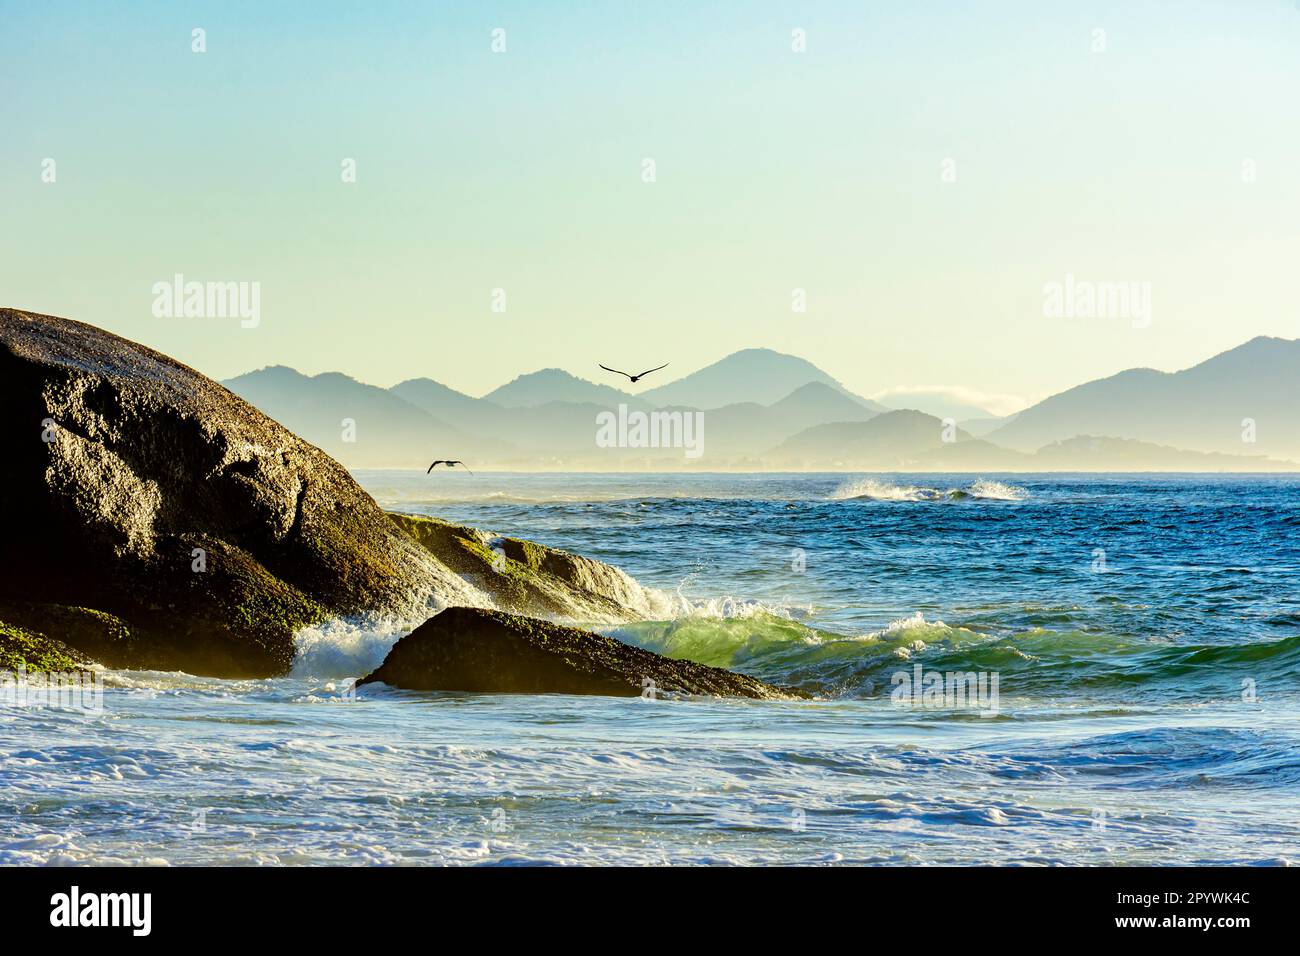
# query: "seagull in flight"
(449, 464)
(632, 377)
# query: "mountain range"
(1251, 390)
(760, 409)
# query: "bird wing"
(643, 374)
(431, 467)
(462, 464)
(608, 369)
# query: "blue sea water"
(1144, 633)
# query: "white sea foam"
(354, 646)
(880, 490)
(997, 490)
(915, 625)
(873, 488)
(347, 647)
(730, 608)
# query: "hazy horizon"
(922, 175)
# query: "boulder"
(139, 488)
(475, 650)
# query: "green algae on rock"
(31, 651)
(103, 637)
(530, 578)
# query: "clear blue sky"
(775, 170)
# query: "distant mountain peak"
(760, 352)
(889, 436)
(1268, 348)
(549, 375)
(281, 373)
(937, 401)
(1263, 340)
(814, 390)
(551, 372)
(1250, 390)
(760, 375)
(548, 385)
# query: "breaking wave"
(348, 647)
(1037, 662)
(878, 490)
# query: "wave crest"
(1032, 662)
(347, 647)
(878, 490)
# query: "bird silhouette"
(632, 377)
(449, 464)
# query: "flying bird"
(449, 464)
(632, 377)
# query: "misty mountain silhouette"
(888, 439)
(1200, 408)
(386, 430)
(449, 405)
(557, 385)
(1140, 419)
(761, 376)
(937, 403)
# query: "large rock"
(469, 649)
(135, 486)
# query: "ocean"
(1008, 669)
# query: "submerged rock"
(469, 649)
(137, 487)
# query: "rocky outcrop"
(136, 487)
(529, 578)
(469, 649)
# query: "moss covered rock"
(529, 578)
(470, 649)
(36, 653)
(101, 636)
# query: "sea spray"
(996, 491)
(879, 490)
(348, 647)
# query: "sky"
(921, 171)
